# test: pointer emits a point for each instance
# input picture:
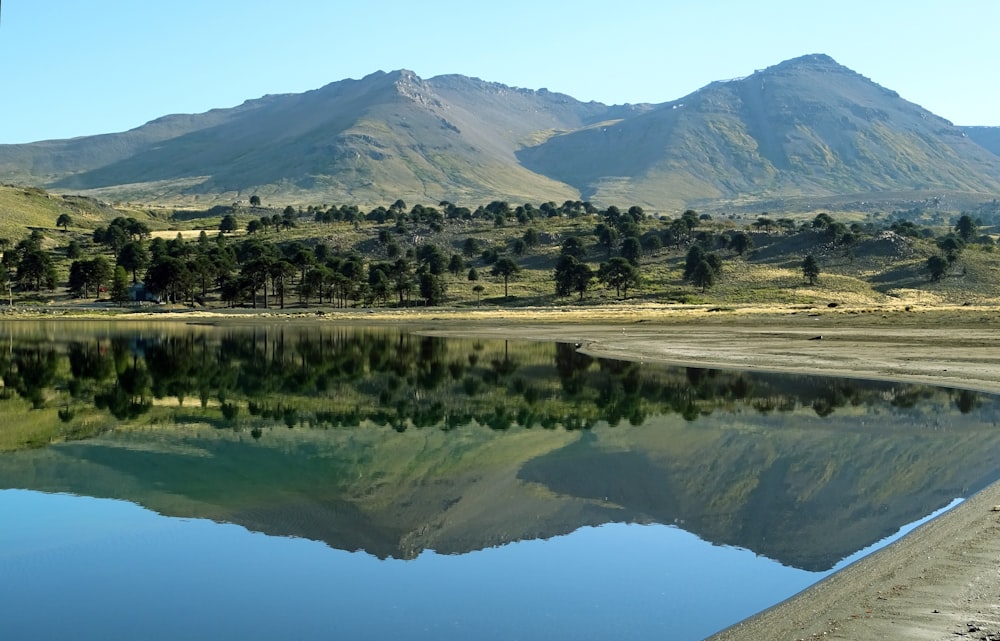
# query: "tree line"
(261, 268)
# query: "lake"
(164, 481)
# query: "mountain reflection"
(395, 443)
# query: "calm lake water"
(166, 481)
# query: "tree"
(937, 266)
(479, 292)
(607, 236)
(432, 288)
(64, 221)
(740, 242)
(620, 274)
(114, 236)
(573, 246)
(119, 286)
(506, 269)
(228, 224)
(471, 247)
(694, 257)
(401, 274)
(288, 218)
(690, 219)
(765, 222)
(714, 262)
(490, 255)
(966, 227)
(79, 281)
(952, 246)
(280, 272)
(167, 276)
(5, 284)
(632, 250)
(100, 273)
(133, 258)
(822, 221)
(302, 257)
(571, 275)
(432, 258)
(255, 201)
(35, 270)
(810, 269)
(703, 276)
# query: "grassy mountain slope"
(380, 138)
(807, 126)
(804, 128)
(23, 209)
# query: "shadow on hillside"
(904, 276)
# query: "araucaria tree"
(966, 227)
(506, 269)
(695, 256)
(620, 274)
(937, 266)
(810, 269)
(740, 242)
(703, 275)
(571, 275)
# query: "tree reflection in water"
(801, 469)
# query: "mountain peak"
(812, 62)
(812, 59)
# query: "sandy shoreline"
(941, 581)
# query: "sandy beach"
(942, 581)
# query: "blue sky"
(81, 67)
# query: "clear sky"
(80, 67)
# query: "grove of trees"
(263, 257)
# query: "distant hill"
(805, 127)
(986, 137)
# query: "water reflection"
(396, 445)
(347, 378)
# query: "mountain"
(370, 140)
(804, 127)
(808, 126)
(986, 137)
